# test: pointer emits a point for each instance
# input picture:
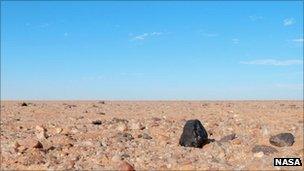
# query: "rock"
(125, 166)
(281, 140)
(136, 126)
(101, 113)
(103, 143)
(40, 132)
(258, 154)
(24, 104)
(101, 102)
(228, 138)
(122, 127)
(264, 148)
(156, 119)
(123, 137)
(145, 136)
(58, 130)
(194, 134)
(118, 120)
(96, 122)
(124, 156)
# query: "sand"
(61, 134)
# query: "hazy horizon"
(152, 50)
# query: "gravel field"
(141, 135)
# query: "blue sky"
(152, 50)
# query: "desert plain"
(104, 135)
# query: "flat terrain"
(102, 134)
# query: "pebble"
(145, 136)
(103, 143)
(24, 104)
(194, 134)
(124, 156)
(117, 120)
(123, 137)
(101, 102)
(258, 154)
(40, 132)
(96, 122)
(125, 166)
(101, 113)
(282, 139)
(136, 126)
(58, 130)
(264, 148)
(122, 127)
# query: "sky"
(145, 50)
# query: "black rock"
(194, 134)
(96, 122)
(281, 140)
(24, 104)
(264, 148)
(228, 138)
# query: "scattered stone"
(204, 104)
(125, 166)
(123, 137)
(101, 113)
(137, 126)
(122, 127)
(101, 102)
(40, 132)
(124, 156)
(69, 106)
(118, 120)
(156, 119)
(264, 148)
(145, 136)
(103, 144)
(228, 138)
(258, 154)
(281, 140)
(194, 134)
(96, 122)
(58, 130)
(24, 104)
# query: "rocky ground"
(145, 135)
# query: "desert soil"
(103, 134)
